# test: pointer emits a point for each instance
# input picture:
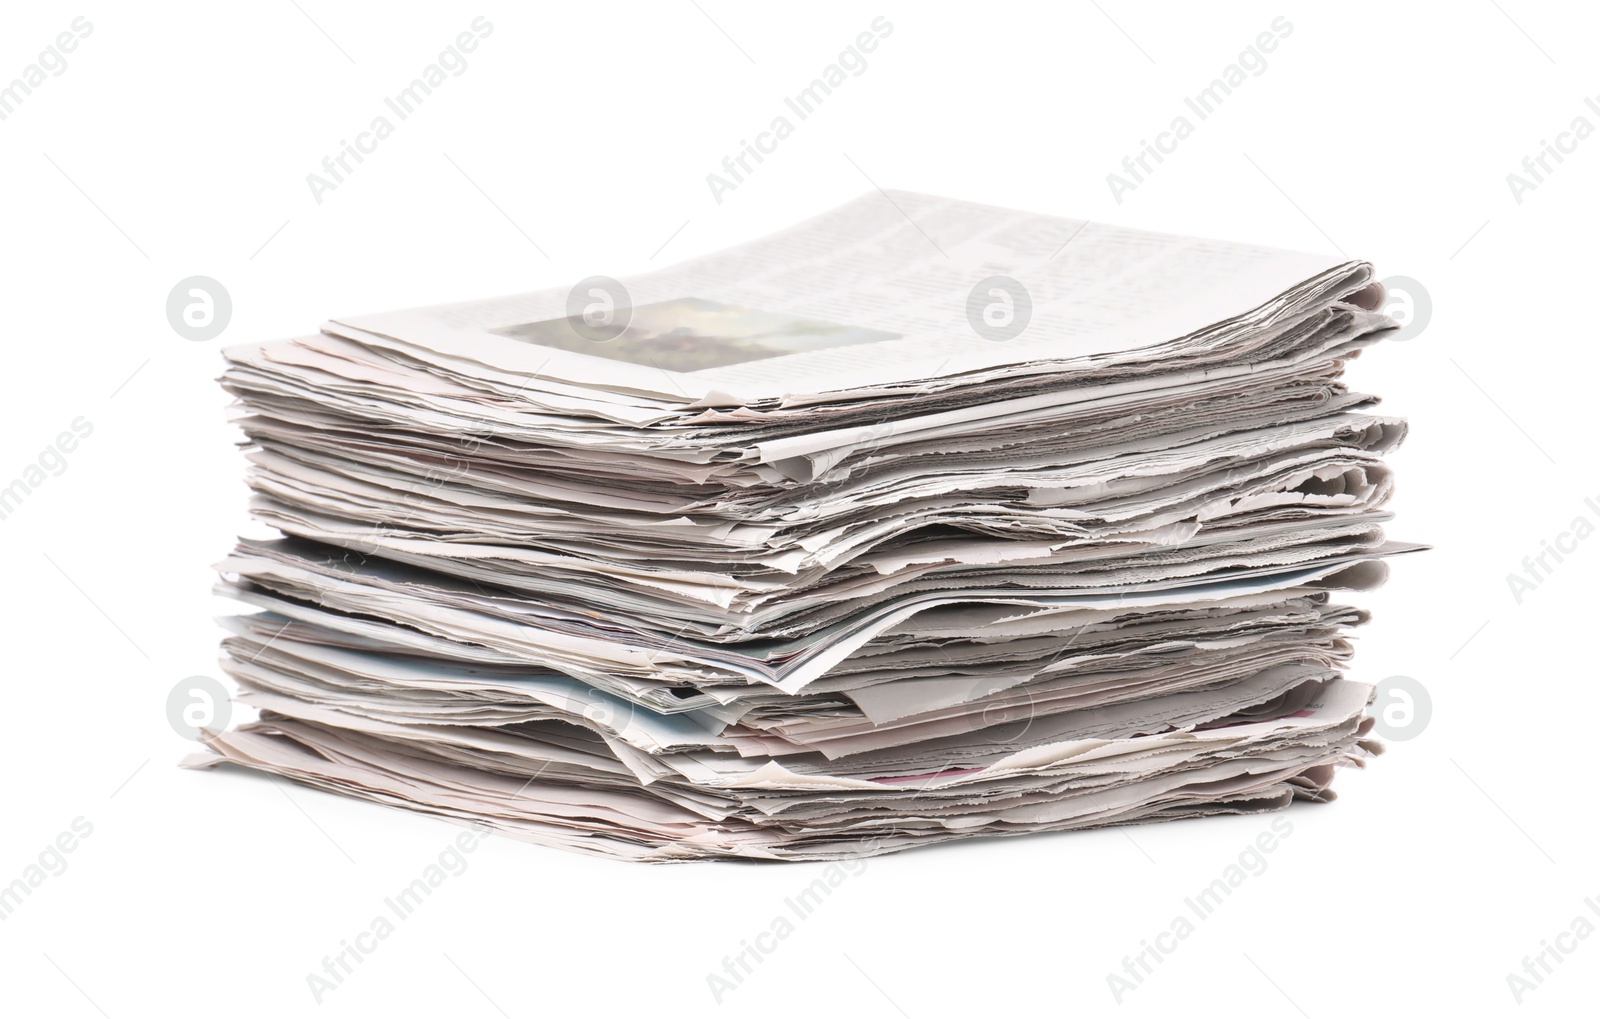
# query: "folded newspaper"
(917, 521)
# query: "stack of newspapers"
(919, 520)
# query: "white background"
(178, 143)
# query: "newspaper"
(1097, 291)
(802, 561)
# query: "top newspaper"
(873, 294)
